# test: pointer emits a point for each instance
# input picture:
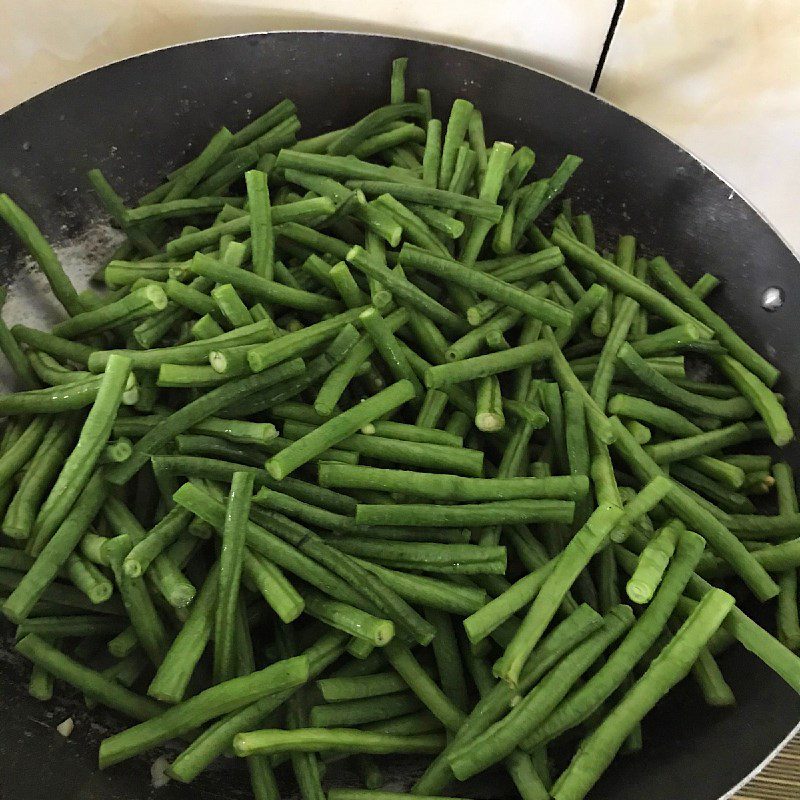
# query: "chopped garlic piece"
(158, 774)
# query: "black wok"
(138, 118)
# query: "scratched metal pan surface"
(140, 117)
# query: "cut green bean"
(312, 740)
(672, 664)
(682, 504)
(196, 412)
(87, 680)
(350, 620)
(338, 429)
(214, 702)
(653, 562)
(230, 569)
(573, 560)
(180, 660)
(503, 512)
(77, 469)
(26, 230)
(687, 299)
(261, 232)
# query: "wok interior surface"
(139, 118)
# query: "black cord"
(607, 44)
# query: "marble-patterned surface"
(45, 42)
(723, 79)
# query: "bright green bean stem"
(275, 588)
(481, 624)
(666, 419)
(314, 740)
(92, 683)
(367, 126)
(641, 637)
(260, 288)
(406, 292)
(192, 413)
(261, 233)
(386, 344)
(175, 671)
(453, 488)
(736, 408)
(573, 560)
(567, 381)
(694, 516)
(208, 704)
(423, 686)
(139, 303)
(502, 512)
(55, 552)
(495, 170)
(432, 156)
(17, 359)
(359, 687)
(231, 305)
(347, 167)
(428, 557)
(694, 305)
(79, 465)
(350, 713)
(669, 667)
(761, 397)
(42, 470)
(490, 286)
(349, 619)
(161, 536)
(24, 227)
(621, 281)
(499, 740)
(644, 501)
(653, 562)
(150, 629)
(413, 433)
(338, 429)
(20, 452)
(216, 739)
(489, 415)
(346, 286)
(491, 364)
(231, 556)
(429, 592)
(460, 114)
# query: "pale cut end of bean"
(66, 727)
(488, 422)
(132, 568)
(218, 361)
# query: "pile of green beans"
(362, 446)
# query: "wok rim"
(795, 253)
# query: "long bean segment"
(451, 487)
(26, 230)
(333, 432)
